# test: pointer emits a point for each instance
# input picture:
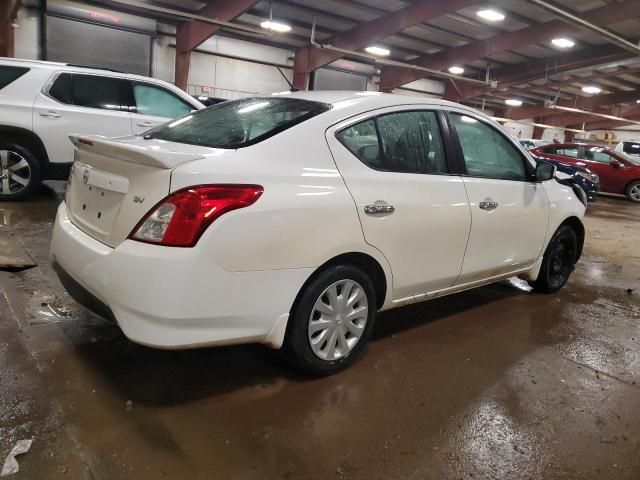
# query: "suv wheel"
(558, 261)
(633, 191)
(19, 171)
(331, 321)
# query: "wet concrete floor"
(495, 383)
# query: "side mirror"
(545, 171)
(615, 163)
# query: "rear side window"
(95, 91)
(9, 74)
(405, 142)
(567, 152)
(487, 152)
(239, 123)
(158, 102)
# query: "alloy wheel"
(634, 192)
(338, 320)
(15, 172)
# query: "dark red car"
(617, 173)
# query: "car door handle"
(146, 124)
(488, 205)
(49, 114)
(378, 208)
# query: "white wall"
(551, 134)
(519, 130)
(27, 34)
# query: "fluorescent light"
(637, 101)
(275, 26)
(375, 50)
(491, 15)
(591, 89)
(512, 102)
(563, 42)
(456, 70)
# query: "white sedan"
(292, 219)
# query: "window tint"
(487, 152)
(410, 141)
(631, 148)
(97, 92)
(239, 123)
(9, 74)
(596, 155)
(567, 151)
(61, 88)
(151, 100)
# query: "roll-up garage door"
(82, 43)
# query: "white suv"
(41, 103)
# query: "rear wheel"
(558, 261)
(633, 191)
(331, 322)
(19, 171)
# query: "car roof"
(73, 68)
(335, 97)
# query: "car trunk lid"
(115, 182)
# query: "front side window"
(239, 123)
(596, 154)
(95, 91)
(9, 74)
(487, 152)
(158, 102)
(406, 142)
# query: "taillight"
(180, 219)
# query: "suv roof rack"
(93, 68)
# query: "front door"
(394, 163)
(80, 104)
(509, 211)
(613, 178)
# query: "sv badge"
(138, 199)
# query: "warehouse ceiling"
(516, 52)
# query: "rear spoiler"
(126, 151)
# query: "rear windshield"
(631, 148)
(9, 73)
(238, 123)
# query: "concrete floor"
(492, 383)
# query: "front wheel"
(558, 261)
(331, 321)
(633, 191)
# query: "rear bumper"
(173, 297)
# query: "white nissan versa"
(292, 219)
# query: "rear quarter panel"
(305, 216)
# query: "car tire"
(20, 171)
(633, 191)
(328, 328)
(558, 261)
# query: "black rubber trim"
(82, 295)
(58, 171)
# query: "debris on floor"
(11, 464)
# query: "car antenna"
(291, 87)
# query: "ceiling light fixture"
(563, 42)
(275, 26)
(376, 50)
(491, 15)
(592, 89)
(456, 70)
(512, 102)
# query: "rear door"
(509, 211)
(153, 105)
(81, 104)
(394, 163)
